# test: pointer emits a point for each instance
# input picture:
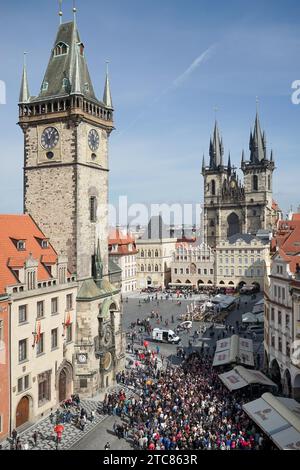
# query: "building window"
(44, 384)
(272, 314)
(40, 345)
(45, 86)
(255, 182)
(288, 349)
(60, 49)
(156, 253)
(69, 301)
(181, 270)
(279, 344)
(187, 271)
(23, 383)
(69, 333)
(142, 268)
(149, 254)
(213, 188)
(54, 305)
(93, 209)
(22, 350)
(156, 268)
(273, 341)
(287, 320)
(22, 313)
(205, 271)
(142, 254)
(44, 243)
(279, 317)
(283, 293)
(175, 270)
(54, 338)
(40, 309)
(21, 246)
(211, 271)
(199, 271)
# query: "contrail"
(176, 84)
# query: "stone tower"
(231, 207)
(258, 175)
(223, 195)
(66, 132)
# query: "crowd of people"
(186, 407)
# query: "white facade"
(193, 265)
(128, 265)
(282, 327)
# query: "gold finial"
(74, 9)
(60, 13)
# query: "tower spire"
(74, 11)
(60, 12)
(216, 149)
(229, 168)
(24, 92)
(107, 100)
(203, 164)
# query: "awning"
(279, 418)
(240, 377)
(251, 318)
(232, 350)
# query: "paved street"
(103, 433)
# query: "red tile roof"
(123, 240)
(287, 241)
(21, 227)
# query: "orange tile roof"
(287, 241)
(21, 227)
(123, 240)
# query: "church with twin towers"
(232, 206)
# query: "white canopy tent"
(240, 377)
(232, 350)
(251, 318)
(279, 418)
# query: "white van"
(258, 329)
(165, 336)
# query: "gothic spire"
(107, 100)
(257, 144)
(203, 164)
(216, 149)
(24, 91)
(229, 168)
(98, 268)
(243, 158)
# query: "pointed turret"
(24, 91)
(272, 156)
(216, 149)
(98, 268)
(257, 144)
(229, 168)
(107, 100)
(203, 164)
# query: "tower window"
(65, 83)
(86, 87)
(21, 245)
(269, 182)
(45, 86)
(60, 49)
(213, 187)
(93, 209)
(255, 183)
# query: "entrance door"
(22, 414)
(62, 386)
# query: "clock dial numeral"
(50, 138)
(93, 140)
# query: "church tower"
(66, 131)
(223, 195)
(258, 174)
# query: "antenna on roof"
(60, 13)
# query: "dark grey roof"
(246, 237)
(216, 149)
(156, 229)
(113, 267)
(71, 66)
(257, 143)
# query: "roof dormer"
(61, 48)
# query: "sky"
(174, 65)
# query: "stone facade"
(4, 366)
(193, 265)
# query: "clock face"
(50, 138)
(107, 337)
(93, 140)
(82, 358)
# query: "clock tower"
(66, 132)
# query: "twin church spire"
(67, 72)
(257, 147)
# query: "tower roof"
(67, 69)
(216, 149)
(257, 144)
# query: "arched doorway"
(149, 281)
(64, 381)
(275, 374)
(233, 224)
(22, 413)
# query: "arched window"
(142, 254)
(269, 182)
(60, 49)
(149, 268)
(142, 268)
(149, 253)
(156, 268)
(156, 253)
(233, 224)
(255, 183)
(213, 187)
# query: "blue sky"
(163, 124)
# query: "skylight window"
(21, 246)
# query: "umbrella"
(59, 428)
(146, 344)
